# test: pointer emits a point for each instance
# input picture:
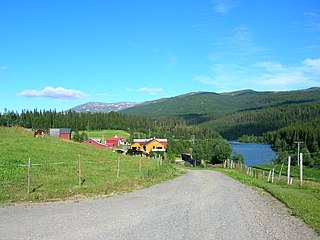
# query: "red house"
(115, 141)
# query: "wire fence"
(70, 176)
(282, 176)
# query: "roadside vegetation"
(309, 173)
(304, 201)
(55, 169)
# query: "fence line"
(257, 173)
(80, 168)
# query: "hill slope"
(209, 102)
(236, 113)
(55, 166)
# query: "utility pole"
(192, 141)
(301, 166)
(298, 151)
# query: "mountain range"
(103, 107)
(205, 102)
(232, 114)
(210, 102)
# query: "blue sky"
(59, 54)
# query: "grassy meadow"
(55, 165)
(100, 134)
(304, 201)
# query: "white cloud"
(313, 21)
(151, 90)
(2, 68)
(239, 45)
(223, 6)
(270, 66)
(277, 76)
(262, 76)
(284, 80)
(313, 63)
(57, 93)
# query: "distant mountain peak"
(103, 107)
(240, 92)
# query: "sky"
(59, 54)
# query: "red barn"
(65, 133)
(115, 141)
(60, 133)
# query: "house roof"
(65, 130)
(150, 139)
(147, 142)
(113, 138)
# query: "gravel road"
(198, 205)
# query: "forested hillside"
(257, 122)
(237, 113)
(183, 105)
(209, 105)
(285, 141)
(135, 125)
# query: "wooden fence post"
(279, 178)
(269, 176)
(301, 168)
(140, 164)
(272, 178)
(289, 165)
(79, 170)
(29, 176)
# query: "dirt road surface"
(198, 205)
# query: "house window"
(159, 147)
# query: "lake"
(254, 154)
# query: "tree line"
(259, 121)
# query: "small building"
(54, 132)
(150, 145)
(95, 143)
(115, 141)
(64, 133)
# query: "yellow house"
(151, 145)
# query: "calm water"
(254, 154)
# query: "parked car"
(134, 152)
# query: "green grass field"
(108, 134)
(304, 201)
(55, 165)
(311, 174)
